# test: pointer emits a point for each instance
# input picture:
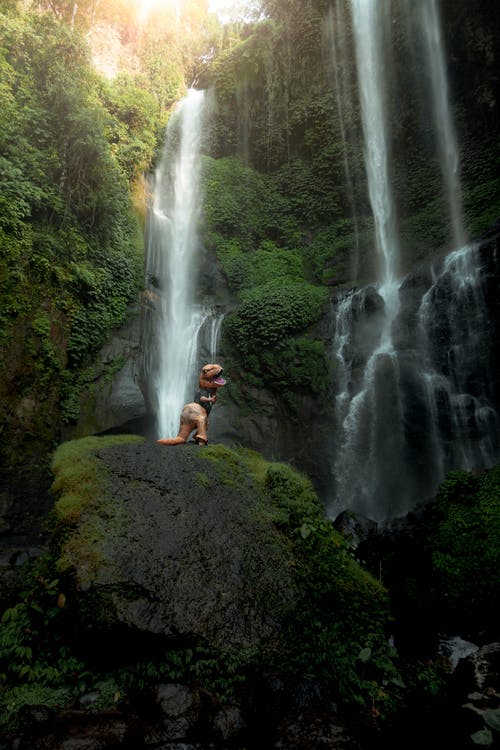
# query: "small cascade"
(170, 340)
(453, 326)
(209, 336)
(365, 443)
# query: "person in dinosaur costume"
(194, 416)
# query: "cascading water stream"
(335, 42)
(412, 395)
(447, 143)
(463, 425)
(171, 266)
(371, 22)
(358, 419)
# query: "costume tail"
(171, 441)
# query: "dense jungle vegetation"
(286, 117)
(74, 147)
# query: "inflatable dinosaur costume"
(194, 416)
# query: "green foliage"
(70, 246)
(294, 502)
(482, 205)
(329, 242)
(134, 125)
(245, 270)
(465, 542)
(14, 699)
(272, 311)
(424, 229)
(262, 331)
(241, 203)
(38, 665)
(342, 623)
(219, 672)
(337, 634)
(103, 294)
(426, 678)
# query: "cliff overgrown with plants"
(73, 147)
(286, 199)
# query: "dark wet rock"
(175, 552)
(78, 730)
(354, 527)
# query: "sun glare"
(147, 6)
(224, 9)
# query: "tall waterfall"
(448, 149)
(336, 46)
(409, 401)
(359, 457)
(171, 262)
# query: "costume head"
(210, 377)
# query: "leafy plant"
(464, 538)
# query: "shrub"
(272, 311)
(464, 539)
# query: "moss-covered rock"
(218, 550)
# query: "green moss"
(80, 482)
(337, 633)
(79, 476)
(245, 207)
(203, 480)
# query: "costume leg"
(186, 426)
(201, 430)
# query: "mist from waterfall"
(408, 405)
(171, 263)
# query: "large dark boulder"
(172, 549)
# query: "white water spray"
(457, 374)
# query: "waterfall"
(371, 23)
(209, 336)
(463, 426)
(412, 396)
(171, 348)
(447, 142)
(336, 45)
(366, 446)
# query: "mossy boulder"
(217, 548)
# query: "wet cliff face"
(439, 412)
(392, 425)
